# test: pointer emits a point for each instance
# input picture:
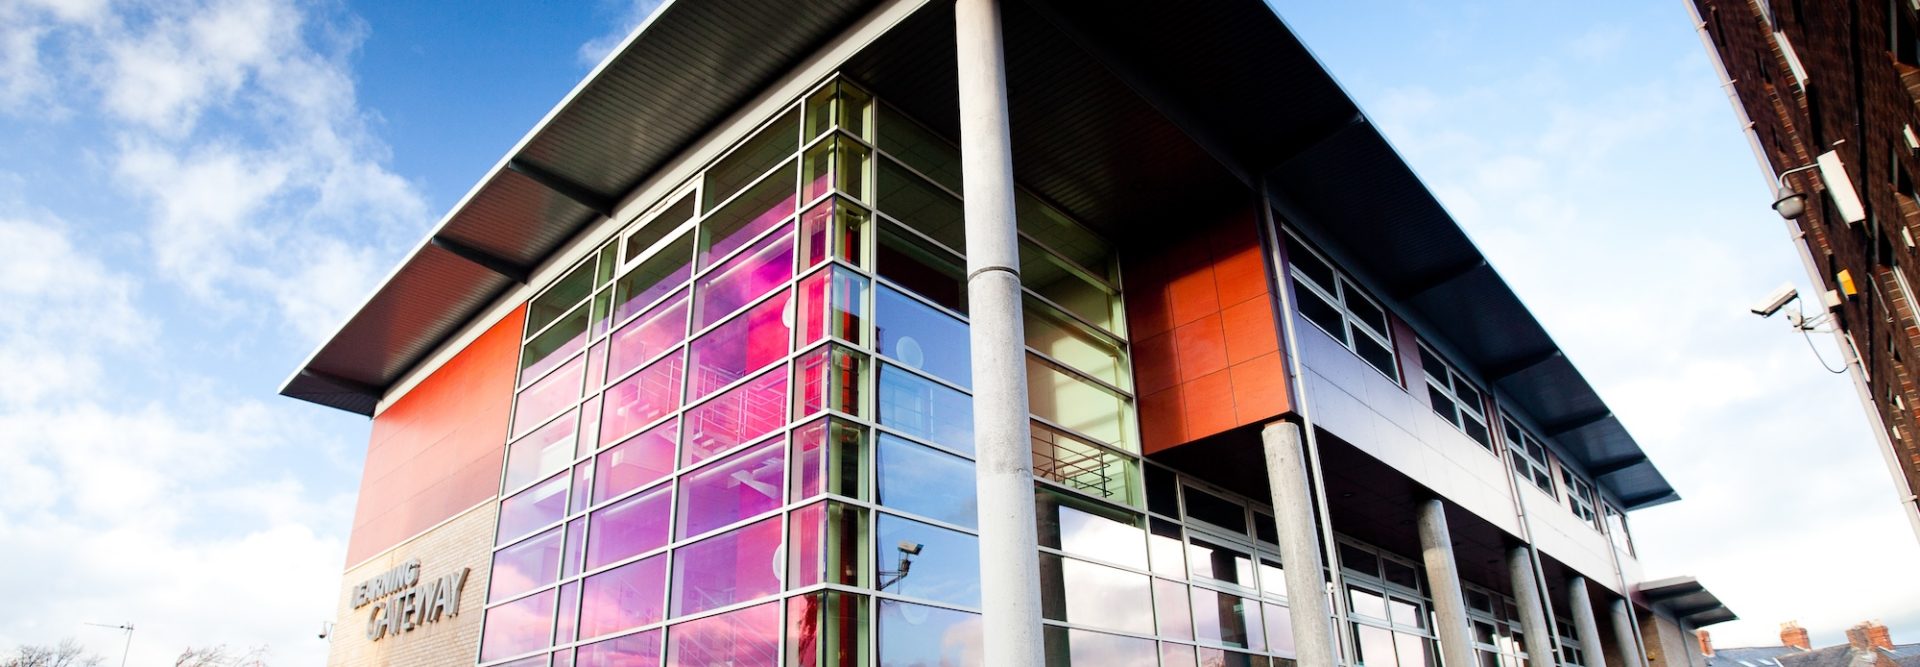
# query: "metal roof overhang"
(1130, 114)
(1687, 600)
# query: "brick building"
(1834, 85)
(1869, 644)
(910, 332)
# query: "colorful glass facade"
(743, 433)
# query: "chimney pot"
(1706, 643)
(1792, 635)
(1877, 635)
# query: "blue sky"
(193, 192)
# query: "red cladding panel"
(1206, 352)
(436, 450)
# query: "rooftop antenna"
(123, 627)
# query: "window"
(1617, 528)
(1527, 456)
(1332, 302)
(1580, 497)
(1386, 608)
(1455, 399)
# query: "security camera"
(910, 548)
(1777, 299)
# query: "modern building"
(1827, 94)
(896, 332)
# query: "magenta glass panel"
(518, 627)
(641, 398)
(743, 413)
(645, 338)
(629, 528)
(809, 458)
(743, 345)
(728, 568)
(582, 483)
(530, 661)
(526, 566)
(576, 541)
(732, 233)
(815, 226)
(597, 367)
(539, 505)
(569, 612)
(625, 597)
(742, 279)
(640, 649)
(745, 638)
(731, 489)
(637, 462)
(653, 278)
(548, 396)
(562, 658)
(547, 449)
(805, 527)
(589, 427)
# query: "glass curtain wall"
(743, 433)
(1498, 640)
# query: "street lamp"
(1788, 202)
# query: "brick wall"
(462, 542)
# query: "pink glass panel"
(742, 279)
(525, 566)
(568, 613)
(518, 627)
(732, 567)
(809, 456)
(635, 650)
(806, 527)
(582, 482)
(576, 540)
(561, 658)
(589, 427)
(548, 359)
(637, 462)
(641, 398)
(530, 661)
(743, 345)
(742, 414)
(547, 449)
(548, 396)
(653, 278)
(745, 638)
(625, 597)
(645, 338)
(731, 489)
(542, 504)
(815, 225)
(628, 528)
(775, 212)
(597, 367)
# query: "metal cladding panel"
(696, 63)
(496, 220)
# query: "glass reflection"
(1082, 528)
(526, 566)
(538, 506)
(1066, 647)
(636, 650)
(628, 528)
(1219, 563)
(925, 409)
(920, 480)
(913, 635)
(625, 597)
(518, 627)
(635, 463)
(947, 569)
(731, 489)
(1220, 618)
(919, 336)
(745, 638)
(732, 567)
(1084, 593)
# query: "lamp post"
(124, 627)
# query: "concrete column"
(1300, 546)
(1533, 607)
(1443, 577)
(1584, 626)
(1009, 560)
(1623, 633)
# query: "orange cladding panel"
(1206, 351)
(436, 450)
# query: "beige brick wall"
(462, 541)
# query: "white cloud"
(634, 14)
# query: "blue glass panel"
(920, 336)
(947, 569)
(926, 409)
(930, 483)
